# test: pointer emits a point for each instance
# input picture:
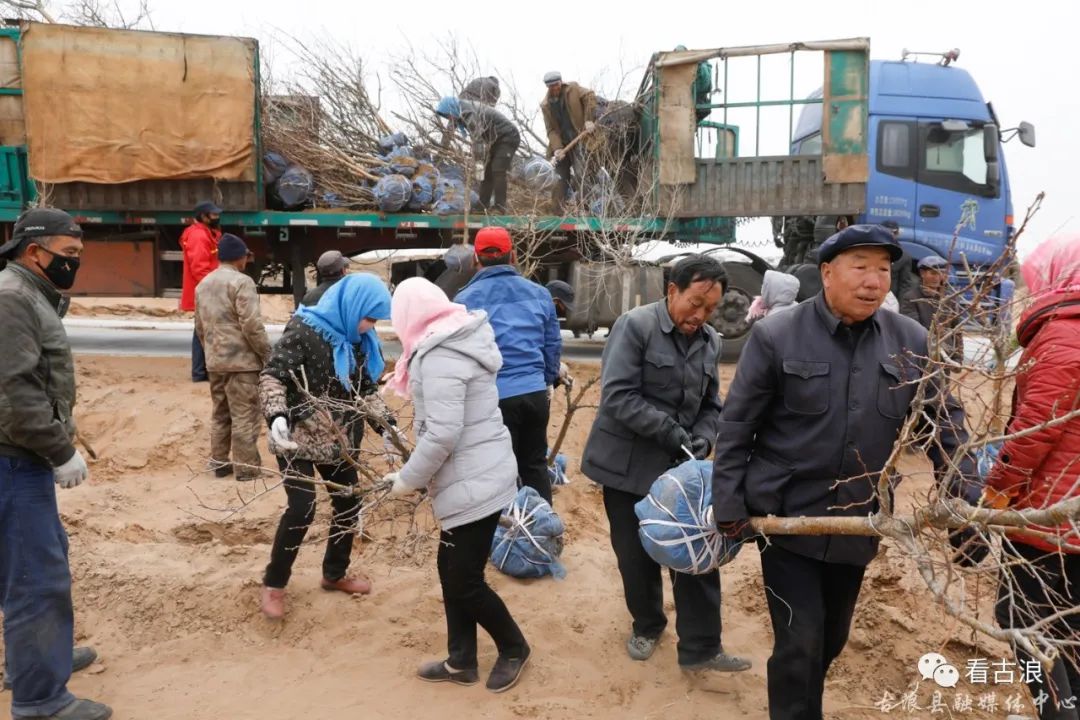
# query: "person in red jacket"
(1041, 575)
(199, 243)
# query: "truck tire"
(744, 283)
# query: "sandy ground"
(275, 308)
(169, 599)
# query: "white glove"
(589, 126)
(564, 375)
(397, 485)
(72, 473)
(279, 433)
(479, 171)
(557, 157)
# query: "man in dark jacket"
(495, 139)
(818, 399)
(928, 299)
(37, 450)
(329, 268)
(659, 401)
(903, 278)
(522, 315)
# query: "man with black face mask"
(37, 450)
(199, 242)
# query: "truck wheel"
(744, 283)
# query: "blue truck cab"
(936, 165)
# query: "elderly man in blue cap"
(818, 400)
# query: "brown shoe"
(352, 585)
(272, 602)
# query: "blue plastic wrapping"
(274, 165)
(394, 140)
(985, 457)
(539, 174)
(676, 521)
(557, 472)
(392, 192)
(530, 547)
(423, 192)
(294, 188)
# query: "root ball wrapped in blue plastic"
(539, 174)
(294, 188)
(449, 196)
(402, 162)
(676, 521)
(392, 192)
(423, 192)
(529, 539)
(394, 140)
(557, 471)
(274, 165)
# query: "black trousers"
(1034, 585)
(811, 603)
(697, 597)
(526, 417)
(468, 599)
(301, 512)
(493, 186)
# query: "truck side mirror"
(1027, 134)
(990, 142)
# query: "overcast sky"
(1024, 56)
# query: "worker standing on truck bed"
(660, 403)
(495, 140)
(569, 110)
(199, 244)
(522, 314)
(229, 324)
(37, 451)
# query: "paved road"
(173, 339)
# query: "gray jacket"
(487, 125)
(811, 418)
(649, 384)
(37, 373)
(463, 454)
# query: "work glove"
(675, 438)
(279, 432)
(398, 488)
(589, 126)
(995, 499)
(72, 473)
(558, 156)
(970, 547)
(701, 448)
(564, 376)
(479, 171)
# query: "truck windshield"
(951, 160)
(956, 153)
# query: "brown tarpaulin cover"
(678, 125)
(117, 106)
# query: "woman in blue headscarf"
(329, 350)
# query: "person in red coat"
(199, 244)
(1041, 574)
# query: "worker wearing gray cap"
(569, 110)
(329, 268)
(932, 298)
(37, 452)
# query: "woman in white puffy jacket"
(464, 459)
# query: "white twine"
(707, 556)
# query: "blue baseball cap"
(859, 236)
(207, 208)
